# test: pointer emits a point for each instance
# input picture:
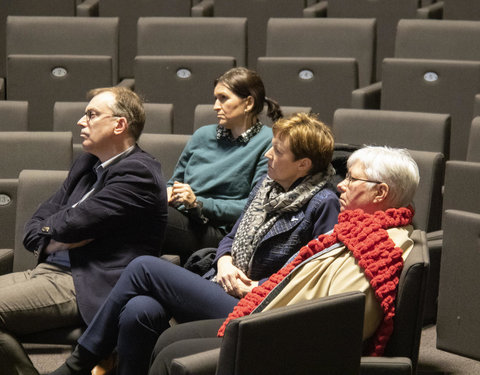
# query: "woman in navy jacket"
(289, 207)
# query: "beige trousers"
(33, 301)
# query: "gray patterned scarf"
(270, 202)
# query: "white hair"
(393, 166)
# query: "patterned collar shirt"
(223, 133)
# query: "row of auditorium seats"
(178, 59)
(257, 12)
(323, 72)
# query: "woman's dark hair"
(244, 82)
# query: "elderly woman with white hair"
(364, 252)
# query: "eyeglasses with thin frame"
(350, 179)
(92, 115)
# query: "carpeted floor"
(47, 358)
(438, 362)
(431, 362)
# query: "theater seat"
(412, 130)
(325, 37)
(184, 81)
(458, 305)
(13, 115)
(34, 150)
(473, 151)
(295, 340)
(324, 84)
(166, 148)
(428, 85)
(53, 59)
(178, 59)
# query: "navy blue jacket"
(126, 216)
(289, 233)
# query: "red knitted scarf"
(366, 237)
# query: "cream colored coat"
(337, 272)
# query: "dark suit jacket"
(126, 216)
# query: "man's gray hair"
(393, 166)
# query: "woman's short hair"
(244, 82)
(127, 104)
(308, 137)
(393, 166)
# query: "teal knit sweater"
(222, 173)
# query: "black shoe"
(80, 362)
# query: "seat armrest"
(385, 366)
(2, 88)
(128, 83)
(434, 236)
(435, 244)
(203, 9)
(204, 363)
(6, 261)
(316, 10)
(175, 259)
(432, 11)
(89, 8)
(367, 97)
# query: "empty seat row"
(161, 74)
(126, 11)
(335, 57)
(257, 12)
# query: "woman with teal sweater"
(220, 165)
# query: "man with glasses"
(111, 208)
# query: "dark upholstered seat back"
(13, 115)
(322, 336)
(161, 79)
(325, 37)
(412, 130)
(473, 151)
(53, 59)
(437, 86)
(166, 148)
(458, 303)
(405, 340)
(437, 39)
(34, 150)
(324, 84)
(193, 36)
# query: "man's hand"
(54, 246)
(232, 279)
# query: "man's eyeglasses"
(350, 179)
(92, 115)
